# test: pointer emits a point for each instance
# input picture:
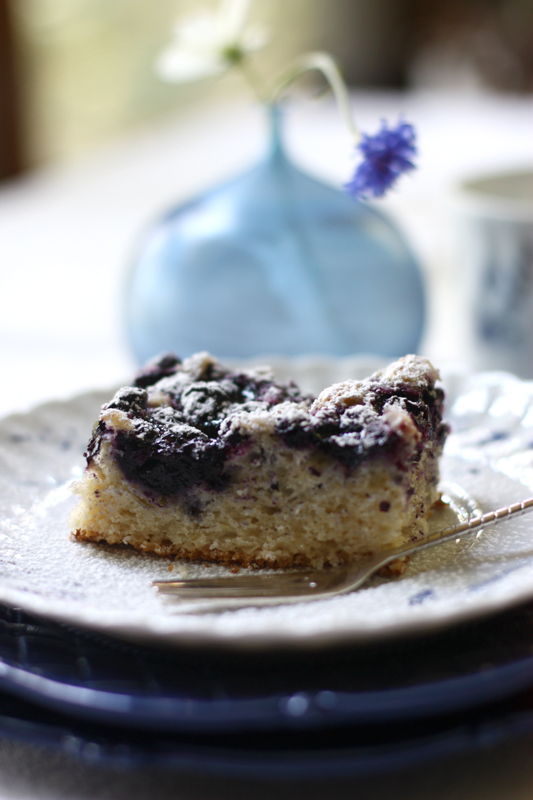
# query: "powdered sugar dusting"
(411, 371)
(184, 421)
(415, 371)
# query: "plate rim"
(422, 701)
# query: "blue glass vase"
(274, 262)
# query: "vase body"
(274, 262)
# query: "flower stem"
(325, 64)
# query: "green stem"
(325, 64)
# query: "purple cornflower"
(385, 157)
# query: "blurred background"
(78, 73)
(93, 145)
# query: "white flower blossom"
(210, 42)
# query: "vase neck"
(275, 118)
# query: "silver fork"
(275, 588)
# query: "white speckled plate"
(490, 454)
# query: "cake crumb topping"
(182, 421)
(411, 371)
(415, 371)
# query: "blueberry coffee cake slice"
(200, 462)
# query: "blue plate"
(211, 692)
(327, 753)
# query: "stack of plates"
(330, 711)
(93, 661)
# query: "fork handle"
(484, 521)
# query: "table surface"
(503, 773)
(66, 238)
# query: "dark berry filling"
(188, 439)
(159, 368)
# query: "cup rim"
(477, 195)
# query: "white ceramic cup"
(496, 271)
